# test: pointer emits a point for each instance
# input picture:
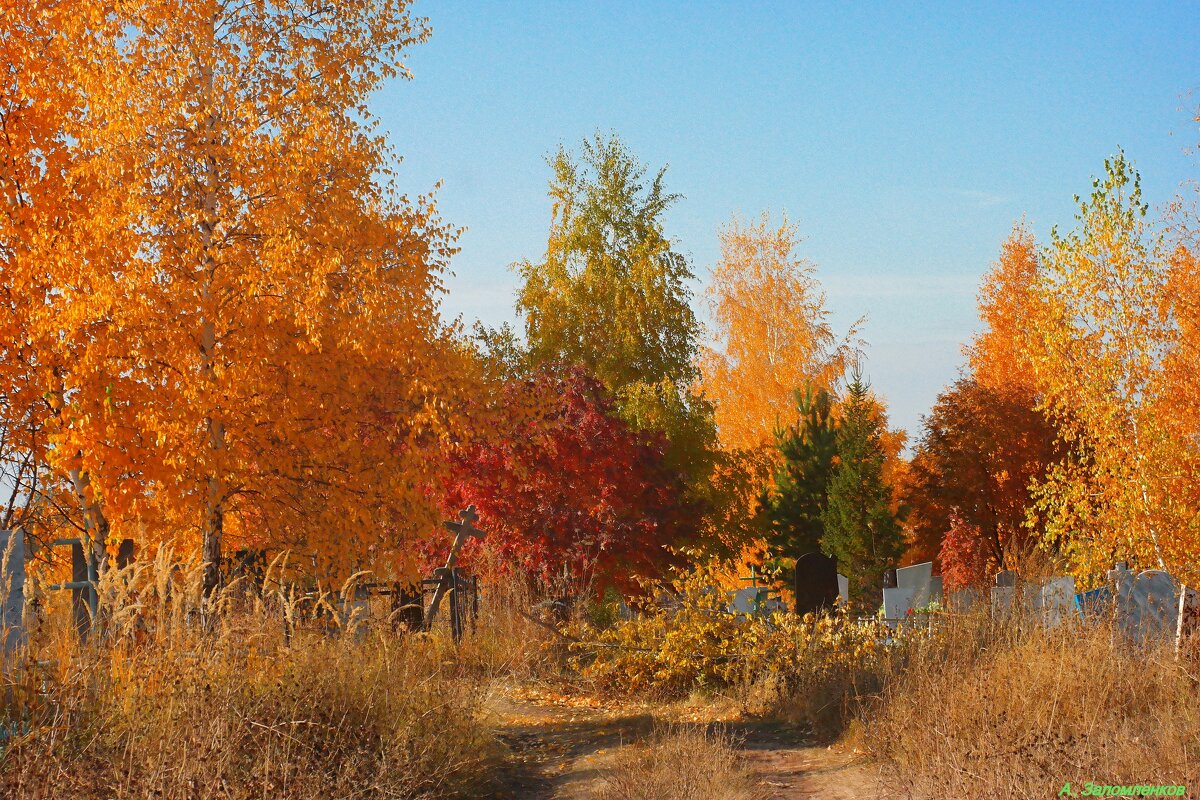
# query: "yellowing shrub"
(692, 642)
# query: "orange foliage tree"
(1009, 303)
(46, 203)
(772, 332)
(254, 344)
(772, 338)
(1104, 332)
(986, 441)
(980, 450)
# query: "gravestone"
(961, 601)
(919, 578)
(1056, 599)
(12, 588)
(1004, 591)
(1002, 598)
(935, 589)
(1147, 603)
(816, 583)
(889, 578)
(843, 588)
(897, 603)
(1030, 594)
(1092, 604)
(744, 601)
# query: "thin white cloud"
(983, 199)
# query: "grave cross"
(463, 530)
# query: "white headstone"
(919, 578)
(12, 588)
(1147, 604)
(843, 588)
(1057, 599)
(744, 601)
(897, 603)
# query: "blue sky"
(905, 139)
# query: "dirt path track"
(562, 751)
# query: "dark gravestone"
(408, 606)
(816, 583)
(125, 553)
(889, 578)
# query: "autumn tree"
(1010, 303)
(861, 527)
(772, 334)
(987, 439)
(794, 507)
(981, 449)
(611, 295)
(967, 560)
(1102, 339)
(45, 204)
(259, 351)
(575, 487)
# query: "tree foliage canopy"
(861, 527)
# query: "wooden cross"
(463, 530)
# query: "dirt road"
(562, 748)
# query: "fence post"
(455, 601)
(80, 605)
(474, 601)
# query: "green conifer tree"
(860, 530)
(795, 506)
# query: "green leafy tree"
(795, 507)
(861, 529)
(611, 296)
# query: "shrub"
(817, 668)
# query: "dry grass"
(1019, 710)
(175, 701)
(252, 696)
(685, 763)
(505, 643)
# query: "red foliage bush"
(573, 487)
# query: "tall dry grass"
(240, 696)
(1017, 709)
(682, 763)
